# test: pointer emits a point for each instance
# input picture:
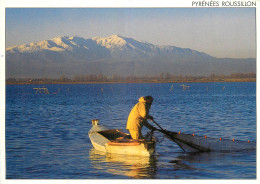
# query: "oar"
(165, 132)
(157, 125)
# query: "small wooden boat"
(116, 141)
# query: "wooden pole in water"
(171, 88)
(40, 90)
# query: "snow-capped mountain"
(113, 55)
(115, 44)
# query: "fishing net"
(194, 143)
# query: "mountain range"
(114, 55)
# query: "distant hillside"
(114, 55)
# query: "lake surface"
(47, 134)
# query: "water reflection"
(124, 165)
(195, 161)
(208, 157)
(215, 165)
(175, 165)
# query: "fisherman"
(138, 117)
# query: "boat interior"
(115, 134)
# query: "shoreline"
(137, 82)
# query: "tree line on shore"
(162, 77)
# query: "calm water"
(47, 134)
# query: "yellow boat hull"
(143, 148)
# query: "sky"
(219, 32)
